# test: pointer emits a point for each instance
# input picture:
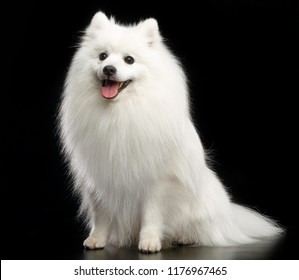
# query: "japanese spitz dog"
(137, 161)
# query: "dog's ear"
(99, 21)
(150, 29)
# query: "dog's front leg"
(151, 222)
(99, 223)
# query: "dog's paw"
(149, 246)
(92, 242)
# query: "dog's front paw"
(150, 246)
(93, 242)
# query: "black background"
(239, 57)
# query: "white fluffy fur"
(138, 163)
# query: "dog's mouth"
(110, 89)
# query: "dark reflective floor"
(264, 250)
(56, 246)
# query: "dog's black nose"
(109, 70)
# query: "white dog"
(137, 161)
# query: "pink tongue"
(110, 89)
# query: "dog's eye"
(129, 59)
(103, 56)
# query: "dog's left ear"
(150, 29)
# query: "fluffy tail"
(253, 224)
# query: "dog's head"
(120, 56)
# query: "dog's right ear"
(99, 21)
